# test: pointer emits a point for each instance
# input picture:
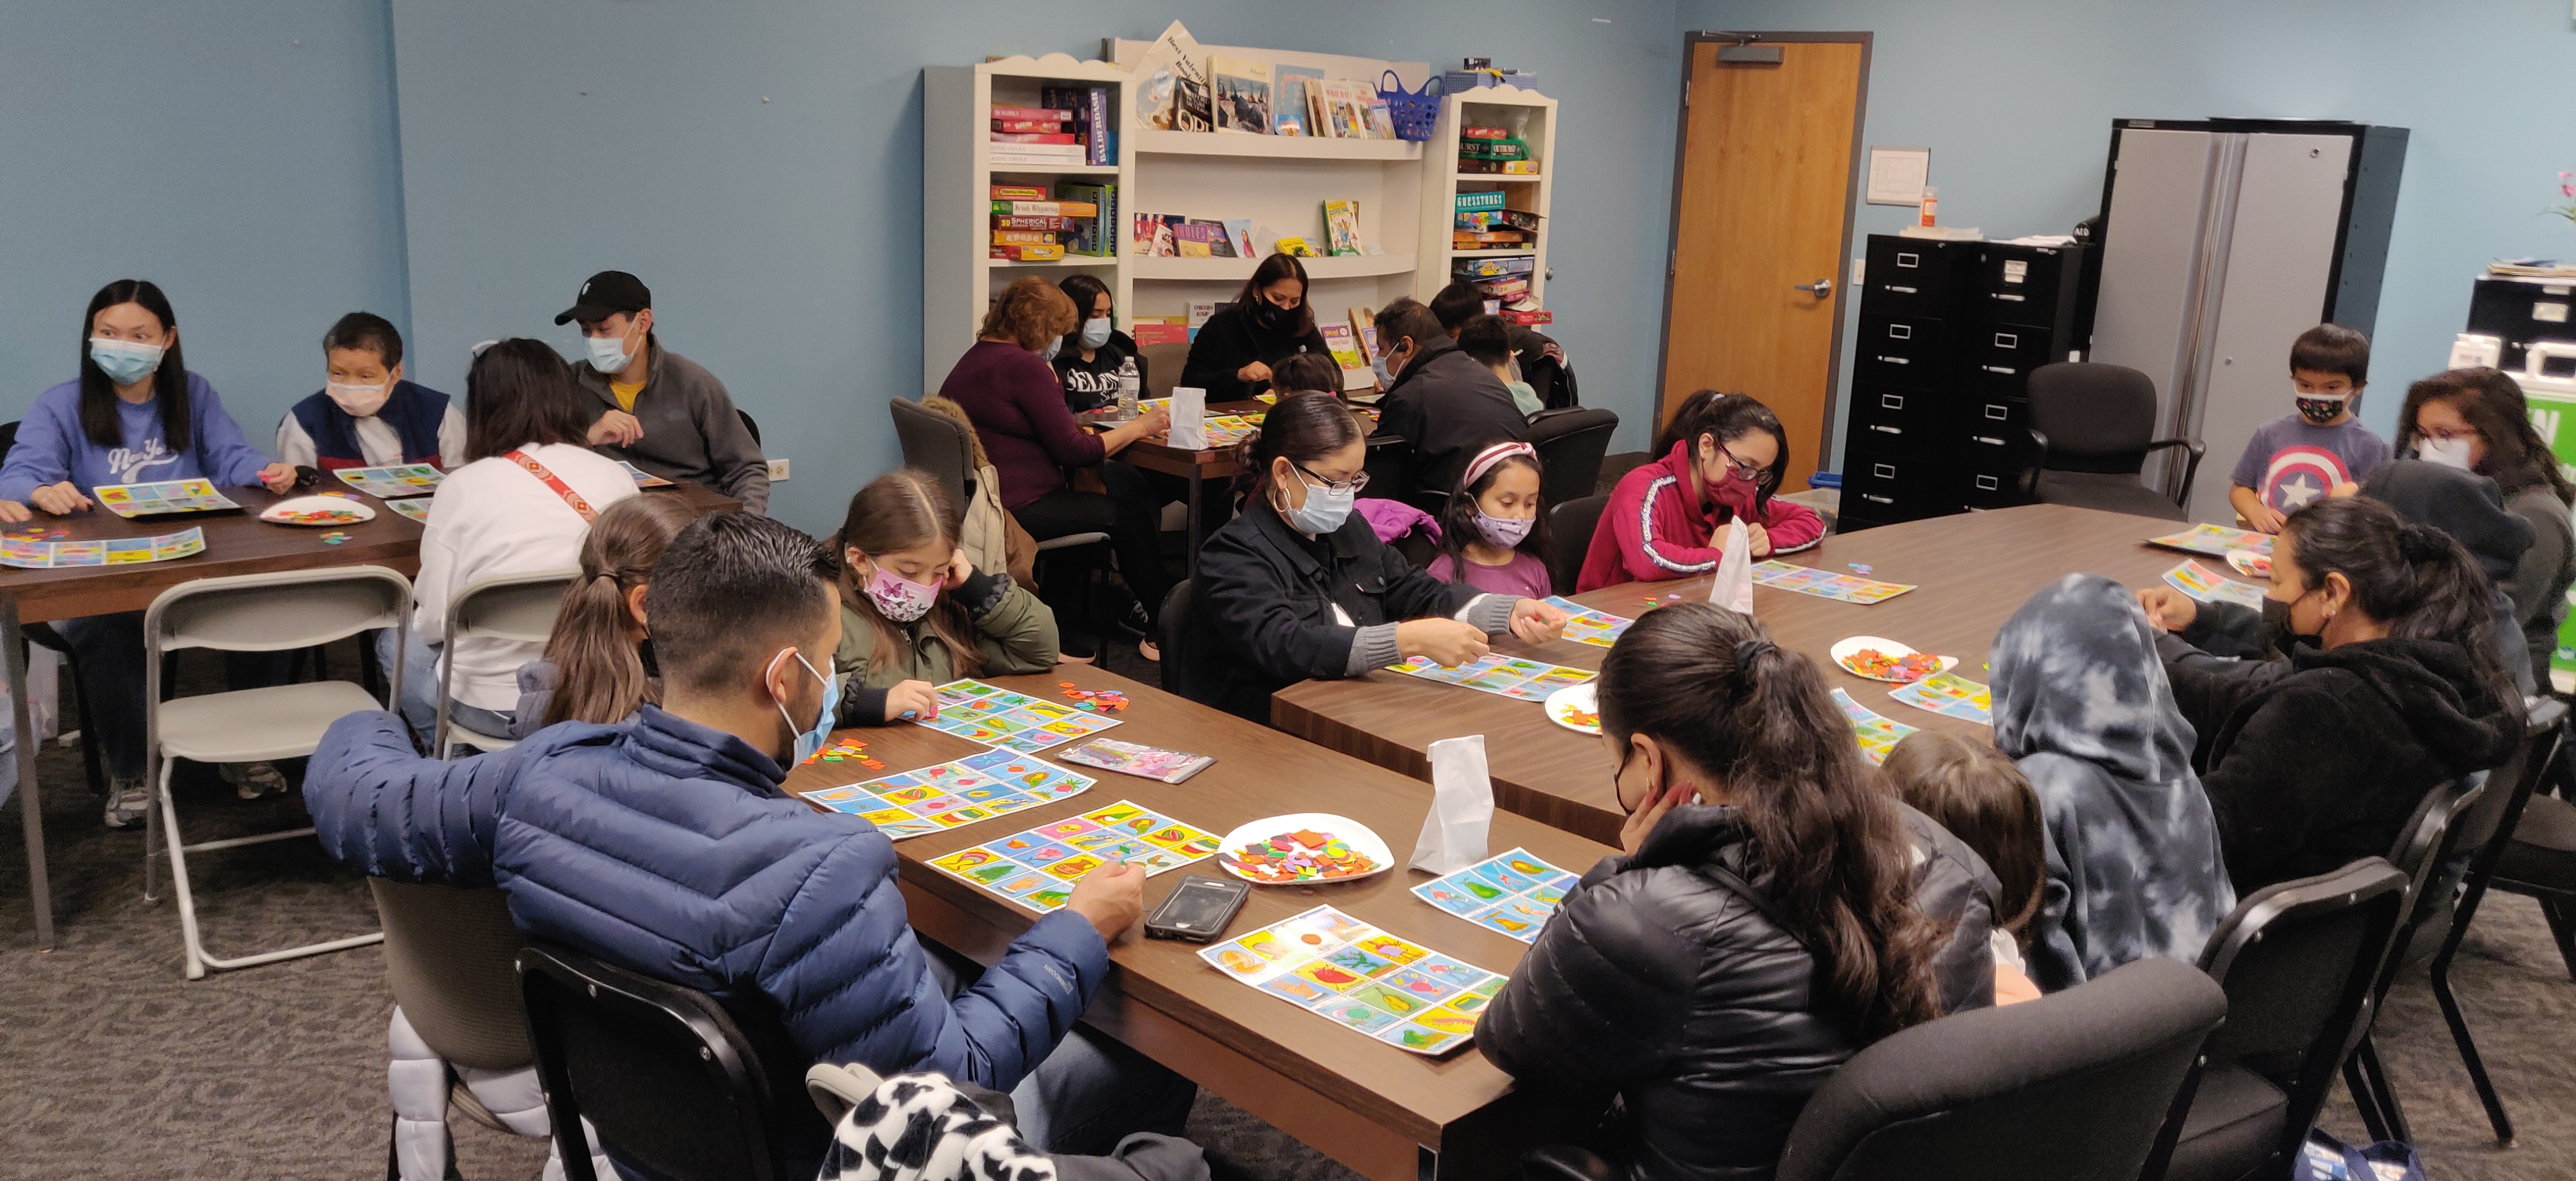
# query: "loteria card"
(393, 482)
(1589, 625)
(951, 795)
(28, 553)
(2209, 586)
(978, 712)
(168, 496)
(1825, 584)
(1876, 735)
(1109, 754)
(2215, 540)
(1950, 695)
(1350, 973)
(1513, 893)
(1508, 676)
(1037, 868)
(643, 479)
(417, 508)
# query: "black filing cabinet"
(1949, 332)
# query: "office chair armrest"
(1565, 1162)
(2191, 466)
(836, 1089)
(2038, 460)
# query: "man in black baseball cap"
(657, 409)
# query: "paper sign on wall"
(1896, 175)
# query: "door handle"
(1820, 288)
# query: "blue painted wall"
(239, 155)
(2015, 99)
(782, 238)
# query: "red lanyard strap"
(570, 497)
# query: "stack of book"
(1506, 283)
(1493, 149)
(1483, 224)
(1030, 225)
(1068, 128)
(1170, 235)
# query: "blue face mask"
(1053, 347)
(1095, 332)
(1324, 511)
(811, 740)
(124, 361)
(1377, 365)
(608, 354)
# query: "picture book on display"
(1342, 227)
(1242, 94)
(1348, 972)
(1513, 893)
(1289, 89)
(1037, 868)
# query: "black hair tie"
(1746, 652)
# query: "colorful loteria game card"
(1109, 754)
(1037, 868)
(1876, 735)
(168, 496)
(1513, 893)
(1589, 625)
(417, 508)
(643, 479)
(1339, 968)
(1950, 695)
(933, 799)
(978, 712)
(2209, 586)
(1508, 676)
(393, 482)
(1825, 584)
(1226, 430)
(29, 552)
(2215, 540)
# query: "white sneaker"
(127, 799)
(253, 780)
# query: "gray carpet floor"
(111, 1064)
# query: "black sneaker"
(1135, 622)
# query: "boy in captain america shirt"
(2299, 458)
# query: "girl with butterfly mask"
(915, 613)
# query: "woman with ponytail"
(1298, 586)
(598, 665)
(1776, 910)
(2391, 686)
(915, 613)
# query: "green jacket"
(1014, 632)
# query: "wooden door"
(1763, 205)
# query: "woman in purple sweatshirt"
(1012, 394)
(134, 415)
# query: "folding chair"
(520, 607)
(253, 613)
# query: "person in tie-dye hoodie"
(2082, 705)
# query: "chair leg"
(393, 1151)
(179, 870)
(2363, 1100)
(88, 732)
(2562, 926)
(2458, 1021)
(198, 958)
(2392, 1112)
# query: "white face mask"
(2447, 452)
(361, 401)
(608, 354)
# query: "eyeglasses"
(2446, 434)
(1352, 485)
(1750, 472)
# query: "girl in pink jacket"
(1663, 518)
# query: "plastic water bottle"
(1129, 385)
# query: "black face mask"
(2277, 633)
(652, 667)
(1267, 314)
(2320, 411)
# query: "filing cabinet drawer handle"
(1908, 261)
(1898, 360)
(2007, 340)
(1887, 430)
(1900, 332)
(2006, 370)
(1883, 471)
(1877, 499)
(2003, 296)
(1988, 483)
(1906, 290)
(1997, 413)
(1891, 401)
(1988, 440)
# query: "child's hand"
(59, 499)
(13, 512)
(1632, 835)
(278, 477)
(2167, 609)
(959, 569)
(1446, 642)
(1757, 540)
(914, 700)
(1536, 622)
(2263, 518)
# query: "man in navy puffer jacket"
(664, 843)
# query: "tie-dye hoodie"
(2082, 704)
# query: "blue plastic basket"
(1414, 111)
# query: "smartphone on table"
(1198, 909)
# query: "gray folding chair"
(254, 613)
(519, 607)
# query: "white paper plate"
(1583, 698)
(358, 510)
(1352, 832)
(2251, 563)
(1844, 649)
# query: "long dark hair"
(169, 383)
(1085, 291)
(2416, 579)
(2517, 457)
(1304, 427)
(1684, 421)
(1711, 685)
(898, 511)
(1728, 417)
(1458, 517)
(519, 392)
(599, 673)
(1273, 269)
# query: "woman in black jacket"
(1298, 586)
(1087, 362)
(1762, 928)
(2392, 685)
(1268, 322)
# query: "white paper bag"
(1733, 587)
(1189, 418)
(1462, 807)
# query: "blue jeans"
(1091, 1092)
(419, 705)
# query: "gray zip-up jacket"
(691, 430)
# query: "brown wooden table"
(1971, 572)
(1155, 453)
(1386, 1113)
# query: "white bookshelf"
(1533, 116)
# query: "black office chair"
(1185, 652)
(932, 442)
(2094, 426)
(2424, 853)
(748, 424)
(669, 1079)
(1570, 445)
(44, 636)
(1570, 525)
(2488, 830)
(2298, 960)
(2071, 1086)
(1389, 460)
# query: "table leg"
(1191, 559)
(40, 892)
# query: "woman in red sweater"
(1017, 405)
(1663, 518)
